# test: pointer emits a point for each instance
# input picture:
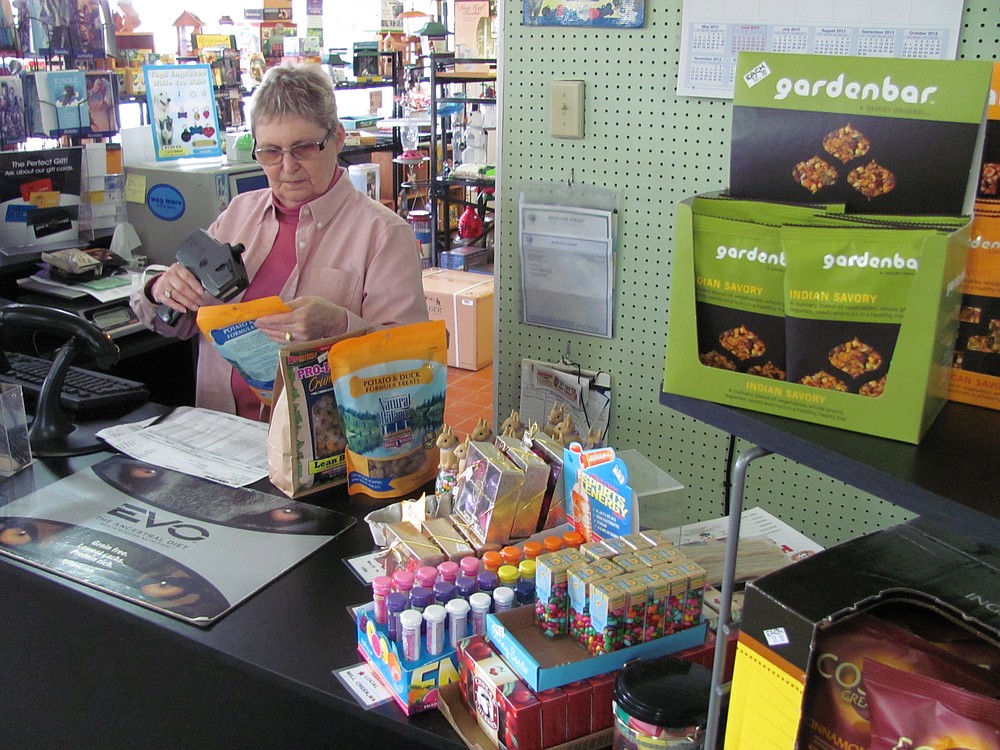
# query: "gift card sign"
(599, 499)
(881, 135)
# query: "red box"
(603, 693)
(578, 699)
(505, 708)
(553, 716)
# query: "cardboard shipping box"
(786, 611)
(464, 301)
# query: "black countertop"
(85, 669)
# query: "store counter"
(85, 669)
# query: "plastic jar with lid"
(552, 543)
(573, 539)
(492, 560)
(508, 575)
(661, 703)
(532, 550)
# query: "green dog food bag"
(847, 290)
(739, 296)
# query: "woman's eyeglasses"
(271, 156)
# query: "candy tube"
(381, 587)
(469, 566)
(458, 620)
(402, 580)
(503, 598)
(444, 592)
(395, 603)
(434, 624)
(409, 621)
(508, 575)
(465, 586)
(480, 604)
(426, 576)
(448, 571)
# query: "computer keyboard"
(82, 390)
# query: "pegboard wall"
(654, 148)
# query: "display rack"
(950, 479)
(444, 73)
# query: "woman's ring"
(288, 336)
(168, 294)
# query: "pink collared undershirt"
(268, 282)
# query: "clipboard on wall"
(584, 394)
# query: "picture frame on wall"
(623, 14)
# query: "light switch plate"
(566, 109)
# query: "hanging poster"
(624, 14)
(182, 111)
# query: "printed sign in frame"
(182, 112)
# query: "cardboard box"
(464, 301)
(785, 610)
(466, 726)
(915, 391)
(553, 662)
(414, 685)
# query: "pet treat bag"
(846, 292)
(390, 389)
(231, 328)
(305, 439)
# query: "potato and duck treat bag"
(231, 328)
(739, 293)
(846, 292)
(390, 390)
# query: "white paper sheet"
(221, 447)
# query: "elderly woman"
(340, 260)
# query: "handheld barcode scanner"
(218, 267)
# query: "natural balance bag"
(390, 390)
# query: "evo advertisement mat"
(178, 544)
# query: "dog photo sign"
(182, 111)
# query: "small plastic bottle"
(503, 599)
(552, 543)
(420, 598)
(465, 586)
(402, 581)
(409, 623)
(524, 592)
(492, 561)
(532, 550)
(434, 617)
(508, 575)
(395, 603)
(448, 571)
(511, 555)
(479, 604)
(381, 587)
(444, 592)
(486, 581)
(469, 565)
(526, 570)
(426, 576)
(458, 620)
(573, 539)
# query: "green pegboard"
(654, 148)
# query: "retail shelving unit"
(393, 81)
(950, 479)
(445, 72)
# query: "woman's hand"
(311, 318)
(178, 288)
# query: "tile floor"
(469, 398)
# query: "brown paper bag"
(305, 439)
